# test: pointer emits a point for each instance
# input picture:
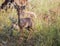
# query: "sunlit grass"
(46, 25)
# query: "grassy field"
(46, 25)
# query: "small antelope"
(25, 23)
(20, 7)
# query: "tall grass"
(46, 28)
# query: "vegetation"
(46, 25)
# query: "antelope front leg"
(21, 36)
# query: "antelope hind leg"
(30, 34)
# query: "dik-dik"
(25, 23)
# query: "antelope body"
(25, 23)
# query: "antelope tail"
(31, 14)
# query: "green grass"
(46, 25)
